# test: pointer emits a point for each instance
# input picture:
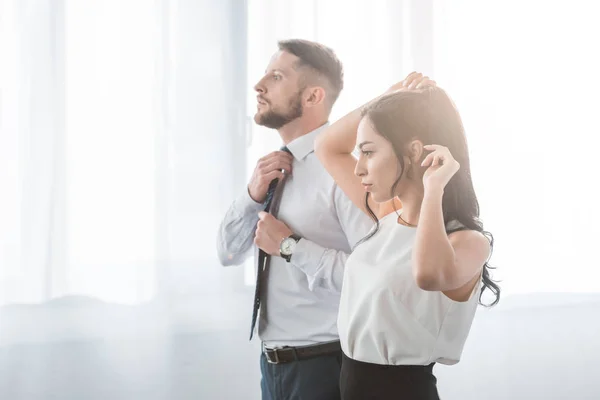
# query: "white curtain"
(523, 76)
(31, 152)
(118, 135)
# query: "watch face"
(287, 246)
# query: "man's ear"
(313, 96)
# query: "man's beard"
(276, 120)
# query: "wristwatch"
(287, 246)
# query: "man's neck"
(298, 128)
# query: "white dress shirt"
(300, 298)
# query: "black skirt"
(365, 381)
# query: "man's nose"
(259, 87)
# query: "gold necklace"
(405, 221)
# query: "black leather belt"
(281, 355)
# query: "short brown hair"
(319, 58)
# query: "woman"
(412, 285)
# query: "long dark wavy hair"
(430, 116)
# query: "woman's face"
(377, 165)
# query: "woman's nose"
(359, 170)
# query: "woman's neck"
(411, 205)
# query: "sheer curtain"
(524, 78)
(119, 125)
(122, 144)
(31, 150)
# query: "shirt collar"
(305, 144)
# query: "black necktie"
(262, 256)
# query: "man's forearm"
(323, 267)
(236, 232)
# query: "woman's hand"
(414, 80)
(442, 167)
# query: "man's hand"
(268, 168)
(269, 233)
(414, 80)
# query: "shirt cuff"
(245, 205)
(307, 257)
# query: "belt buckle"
(276, 357)
(275, 354)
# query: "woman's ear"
(415, 151)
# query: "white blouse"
(385, 318)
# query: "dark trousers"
(311, 379)
(365, 381)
